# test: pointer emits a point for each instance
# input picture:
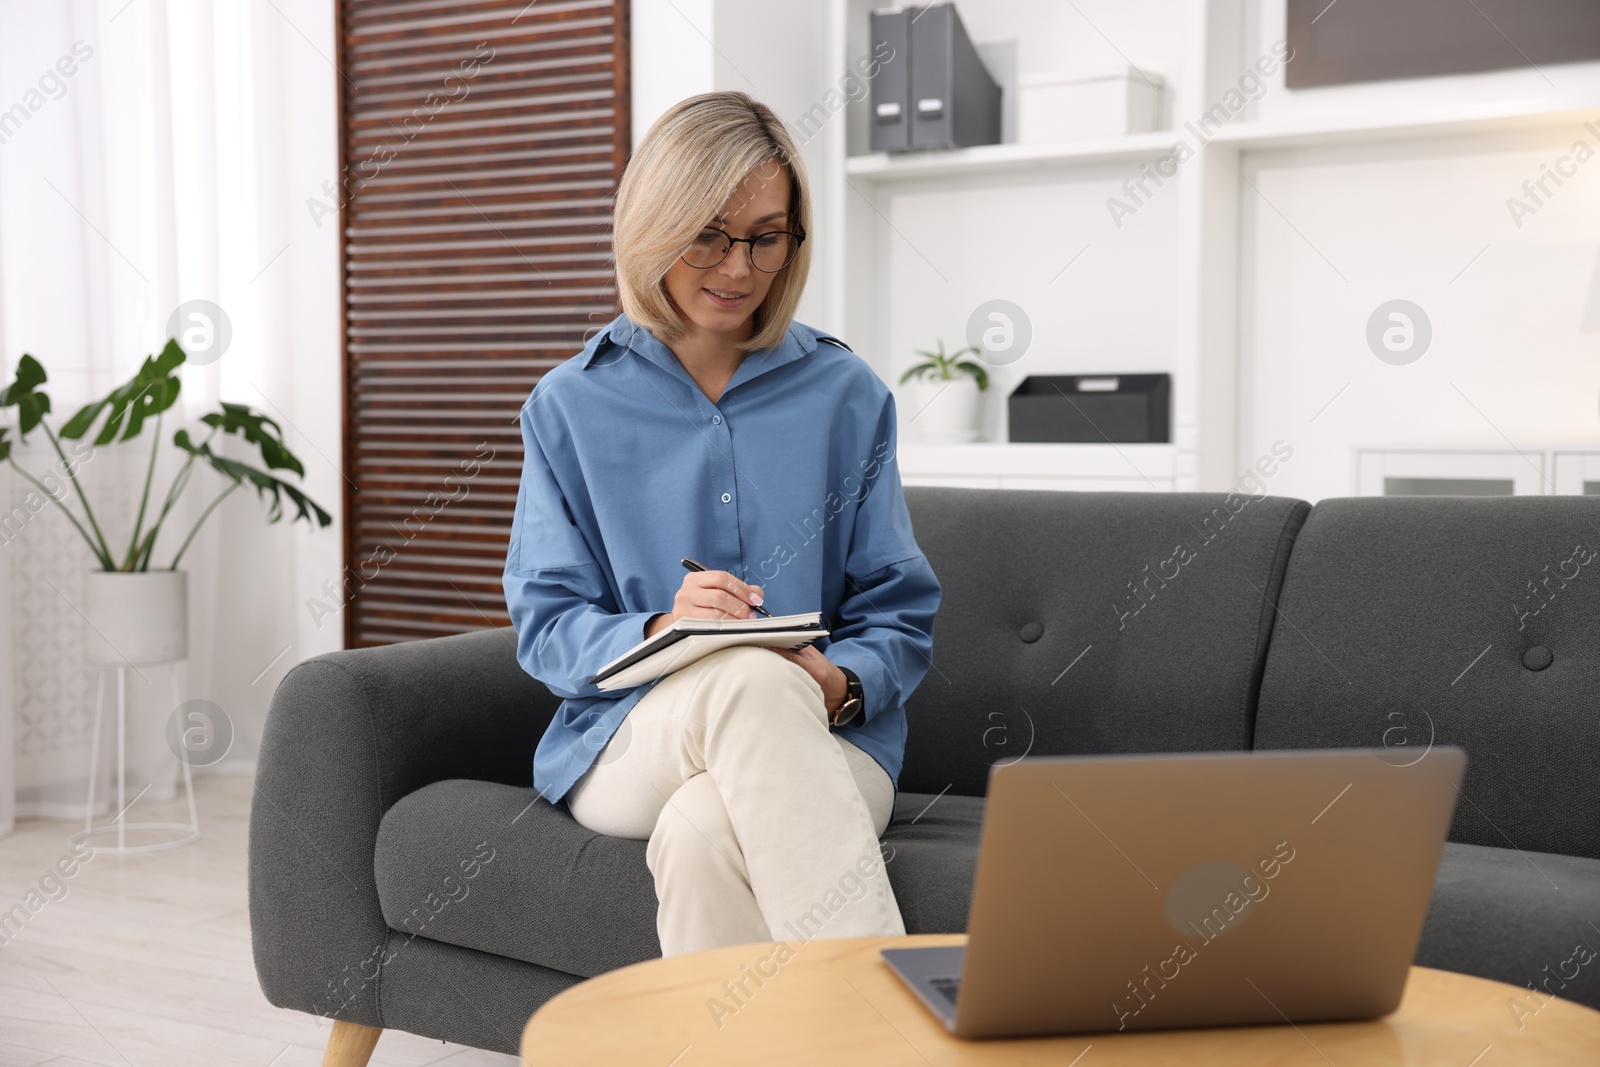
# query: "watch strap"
(854, 699)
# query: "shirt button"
(716, 420)
(726, 498)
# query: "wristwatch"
(854, 699)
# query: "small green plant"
(942, 368)
(149, 393)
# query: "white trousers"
(763, 824)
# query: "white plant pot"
(944, 412)
(136, 619)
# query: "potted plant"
(137, 611)
(946, 396)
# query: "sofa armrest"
(348, 735)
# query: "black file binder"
(933, 91)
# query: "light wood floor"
(146, 960)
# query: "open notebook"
(687, 640)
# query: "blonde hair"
(690, 163)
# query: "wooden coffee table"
(835, 1001)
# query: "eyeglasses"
(769, 252)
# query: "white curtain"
(153, 153)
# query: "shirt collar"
(623, 336)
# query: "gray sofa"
(405, 874)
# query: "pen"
(695, 565)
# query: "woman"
(704, 422)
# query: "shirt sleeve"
(884, 627)
(556, 593)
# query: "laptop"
(1185, 890)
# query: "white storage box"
(1107, 103)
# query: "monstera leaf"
(24, 395)
(120, 417)
(266, 484)
(150, 392)
(260, 431)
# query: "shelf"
(1015, 158)
(986, 159)
(1505, 118)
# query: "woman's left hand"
(820, 667)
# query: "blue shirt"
(789, 481)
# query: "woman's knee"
(694, 822)
(761, 672)
(872, 781)
(753, 660)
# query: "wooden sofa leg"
(350, 1044)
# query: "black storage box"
(1092, 408)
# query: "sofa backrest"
(1075, 623)
(1467, 621)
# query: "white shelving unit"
(1490, 118)
(1577, 473)
(908, 244)
(1411, 472)
(1001, 158)
(1540, 471)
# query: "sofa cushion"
(931, 852)
(1529, 919)
(498, 869)
(551, 893)
(1083, 623)
(1407, 621)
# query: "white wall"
(1518, 87)
(1426, 223)
(673, 56)
(1427, 220)
(773, 50)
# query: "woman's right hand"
(708, 595)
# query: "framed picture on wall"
(1371, 40)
